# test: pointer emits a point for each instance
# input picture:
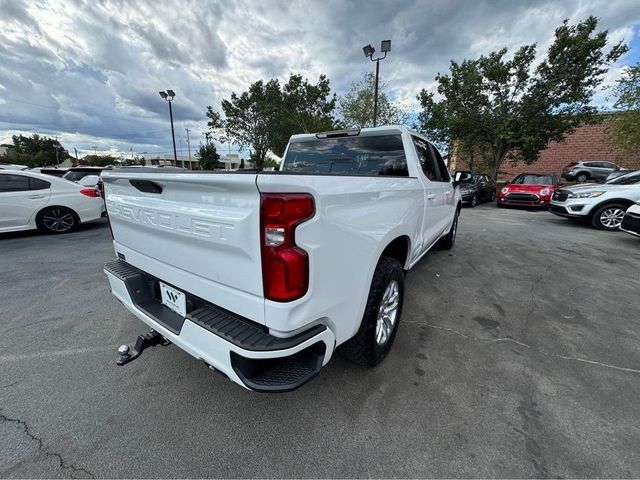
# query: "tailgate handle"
(146, 186)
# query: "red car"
(528, 190)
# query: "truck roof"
(369, 131)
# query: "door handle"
(36, 196)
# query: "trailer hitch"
(147, 340)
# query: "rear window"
(367, 155)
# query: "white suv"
(603, 204)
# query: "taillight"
(90, 192)
(285, 266)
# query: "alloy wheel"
(387, 313)
(612, 217)
(58, 220)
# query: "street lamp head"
(385, 46)
(171, 93)
(368, 51)
(163, 94)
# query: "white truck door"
(435, 210)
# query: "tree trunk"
(498, 158)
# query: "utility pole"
(76, 150)
(188, 148)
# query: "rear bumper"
(242, 350)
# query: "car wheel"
(474, 201)
(381, 316)
(447, 242)
(608, 217)
(582, 177)
(56, 220)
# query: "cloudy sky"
(89, 71)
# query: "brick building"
(588, 142)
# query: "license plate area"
(173, 299)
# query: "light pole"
(168, 96)
(385, 47)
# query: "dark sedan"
(476, 188)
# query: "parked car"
(53, 205)
(89, 180)
(262, 275)
(604, 205)
(76, 173)
(12, 166)
(631, 220)
(619, 173)
(476, 188)
(56, 172)
(584, 171)
(528, 190)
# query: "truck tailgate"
(198, 231)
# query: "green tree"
(267, 114)
(209, 157)
(305, 108)
(37, 151)
(250, 117)
(355, 108)
(625, 124)
(509, 108)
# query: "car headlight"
(545, 191)
(585, 195)
(505, 190)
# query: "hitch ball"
(123, 350)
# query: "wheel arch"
(622, 201)
(399, 249)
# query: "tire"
(608, 217)
(582, 177)
(368, 347)
(447, 242)
(56, 220)
(474, 201)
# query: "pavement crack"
(10, 384)
(530, 347)
(41, 448)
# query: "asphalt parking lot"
(518, 355)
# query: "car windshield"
(361, 155)
(628, 179)
(529, 179)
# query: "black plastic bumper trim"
(231, 327)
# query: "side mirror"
(456, 179)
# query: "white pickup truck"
(263, 275)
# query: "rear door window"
(13, 183)
(37, 184)
(379, 155)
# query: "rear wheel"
(56, 220)
(608, 217)
(474, 201)
(582, 177)
(381, 316)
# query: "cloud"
(90, 71)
